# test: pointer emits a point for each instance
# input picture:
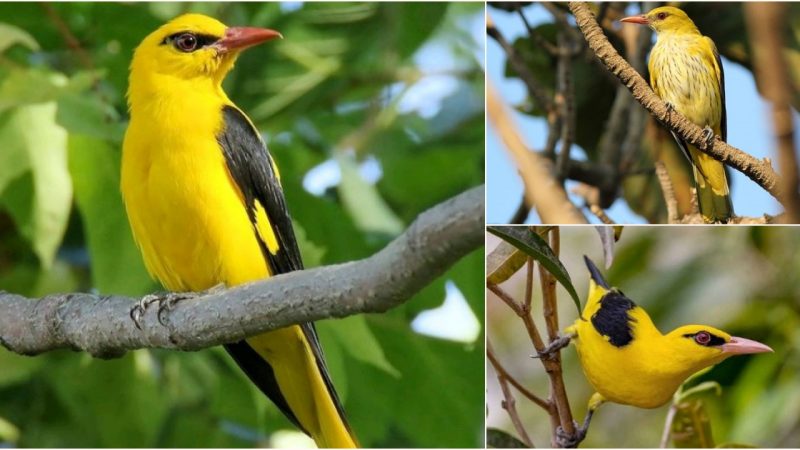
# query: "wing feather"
(253, 171)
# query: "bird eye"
(661, 16)
(186, 42)
(702, 338)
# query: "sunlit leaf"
(536, 247)
(41, 206)
(11, 35)
(503, 262)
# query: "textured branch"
(101, 325)
(757, 170)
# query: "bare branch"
(767, 24)
(541, 188)
(759, 171)
(509, 404)
(669, 192)
(101, 325)
(535, 90)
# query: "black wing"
(251, 168)
(723, 122)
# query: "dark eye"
(702, 338)
(186, 42)
(661, 16)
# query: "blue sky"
(749, 129)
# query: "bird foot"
(566, 440)
(166, 303)
(670, 109)
(554, 346)
(708, 136)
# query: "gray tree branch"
(101, 325)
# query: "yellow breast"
(186, 213)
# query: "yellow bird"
(626, 358)
(206, 206)
(686, 72)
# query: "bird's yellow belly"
(623, 377)
(188, 217)
(684, 81)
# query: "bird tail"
(288, 366)
(713, 195)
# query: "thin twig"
(501, 370)
(505, 297)
(668, 191)
(536, 37)
(69, 38)
(565, 99)
(668, 426)
(537, 92)
(601, 214)
(509, 404)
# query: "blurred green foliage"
(744, 280)
(352, 87)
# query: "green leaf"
(500, 439)
(357, 339)
(503, 262)
(95, 170)
(11, 35)
(88, 115)
(16, 368)
(691, 426)
(8, 432)
(41, 207)
(536, 247)
(365, 205)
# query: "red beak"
(641, 20)
(239, 38)
(742, 346)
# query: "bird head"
(664, 19)
(698, 346)
(195, 46)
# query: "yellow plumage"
(686, 72)
(196, 223)
(629, 361)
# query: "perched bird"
(206, 206)
(626, 358)
(686, 72)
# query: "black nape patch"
(612, 319)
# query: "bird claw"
(554, 346)
(708, 135)
(166, 303)
(566, 440)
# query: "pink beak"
(742, 346)
(641, 20)
(239, 38)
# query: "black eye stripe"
(202, 39)
(714, 340)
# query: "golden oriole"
(206, 206)
(626, 358)
(686, 72)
